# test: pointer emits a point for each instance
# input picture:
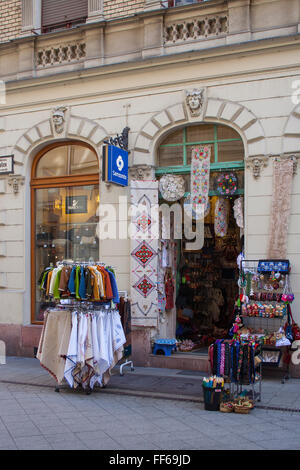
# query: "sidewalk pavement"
(35, 417)
(150, 382)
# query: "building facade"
(71, 83)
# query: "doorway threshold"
(181, 361)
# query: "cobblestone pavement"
(33, 417)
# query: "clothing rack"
(80, 356)
(106, 301)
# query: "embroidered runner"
(281, 207)
(144, 254)
(221, 217)
(200, 170)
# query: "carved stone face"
(58, 119)
(194, 101)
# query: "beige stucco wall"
(260, 83)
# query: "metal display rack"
(269, 324)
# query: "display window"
(64, 212)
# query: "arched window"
(64, 216)
(227, 151)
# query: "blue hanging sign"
(115, 165)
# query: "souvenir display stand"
(82, 337)
(265, 297)
(237, 362)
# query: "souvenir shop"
(201, 165)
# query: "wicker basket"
(243, 410)
(225, 409)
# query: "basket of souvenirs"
(227, 407)
(243, 405)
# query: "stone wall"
(119, 8)
(10, 19)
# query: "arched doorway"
(204, 281)
(64, 216)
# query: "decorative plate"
(226, 184)
(172, 187)
(197, 213)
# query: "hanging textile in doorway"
(200, 170)
(238, 209)
(144, 254)
(221, 216)
(281, 207)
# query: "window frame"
(215, 166)
(45, 183)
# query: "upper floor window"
(227, 147)
(60, 14)
(179, 3)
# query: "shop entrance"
(207, 287)
(198, 288)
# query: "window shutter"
(55, 12)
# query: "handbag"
(295, 328)
(291, 328)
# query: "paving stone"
(105, 444)
(32, 443)
(69, 446)
(23, 430)
(91, 436)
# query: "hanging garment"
(114, 287)
(82, 285)
(54, 342)
(238, 210)
(118, 336)
(71, 358)
(169, 290)
(103, 361)
(200, 171)
(71, 283)
(88, 369)
(221, 217)
(64, 278)
(53, 278)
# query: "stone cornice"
(211, 54)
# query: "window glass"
(200, 133)
(174, 138)
(65, 229)
(67, 160)
(225, 132)
(176, 149)
(170, 156)
(230, 151)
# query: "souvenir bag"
(288, 326)
(293, 326)
(287, 295)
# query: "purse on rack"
(292, 330)
(295, 327)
